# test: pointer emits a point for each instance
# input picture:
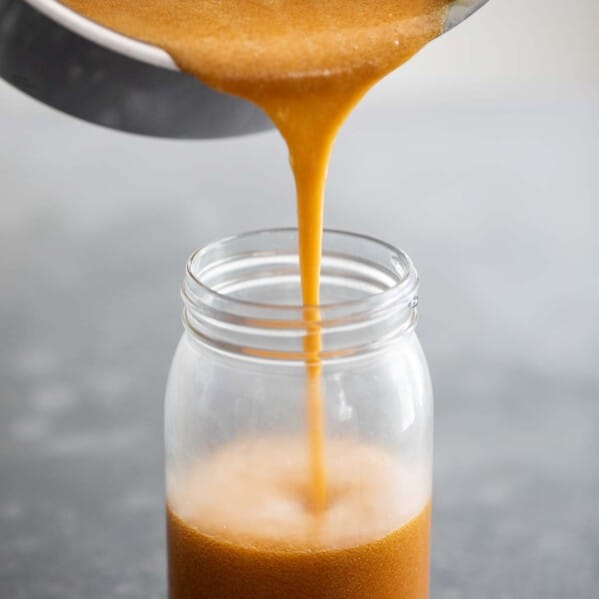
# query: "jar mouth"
(400, 271)
(245, 291)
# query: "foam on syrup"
(254, 493)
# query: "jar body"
(213, 400)
(240, 521)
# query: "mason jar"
(245, 426)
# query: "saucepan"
(86, 70)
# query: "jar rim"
(406, 284)
(223, 279)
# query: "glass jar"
(240, 435)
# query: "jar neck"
(241, 293)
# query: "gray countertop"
(497, 204)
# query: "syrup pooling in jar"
(238, 522)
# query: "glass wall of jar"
(251, 417)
